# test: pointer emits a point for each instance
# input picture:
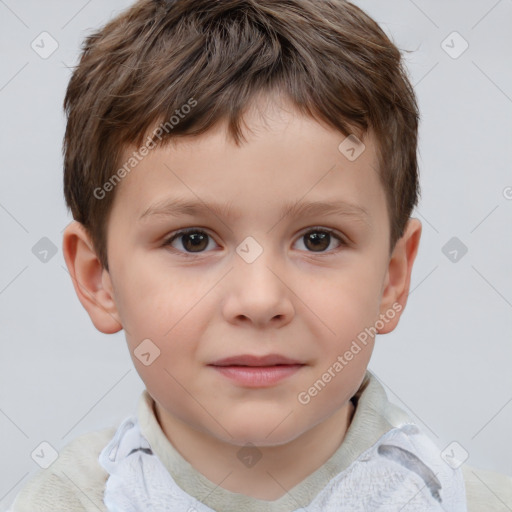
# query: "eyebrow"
(177, 207)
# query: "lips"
(251, 360)
(251, 371)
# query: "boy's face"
(256, 283)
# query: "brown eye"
(318, 240)
(193, 241)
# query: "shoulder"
(487, 490)
(75, 481)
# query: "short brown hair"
(330, 58)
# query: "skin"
(304, 303)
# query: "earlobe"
(91, 282)
(398, 275)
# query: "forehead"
(287, 159)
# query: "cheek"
(344, 305)
(158, 302)
(172, 341)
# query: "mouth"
(257, 371)
(256, 361)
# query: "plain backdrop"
(449, 361)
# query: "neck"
(280, 467)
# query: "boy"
(242, 174)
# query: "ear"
(398, 275)
(92, 282)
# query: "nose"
(257, 292)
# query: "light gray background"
(448, 362)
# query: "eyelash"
(188, 231)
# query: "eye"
(192, 240)
(195, 240)
(319, 239)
